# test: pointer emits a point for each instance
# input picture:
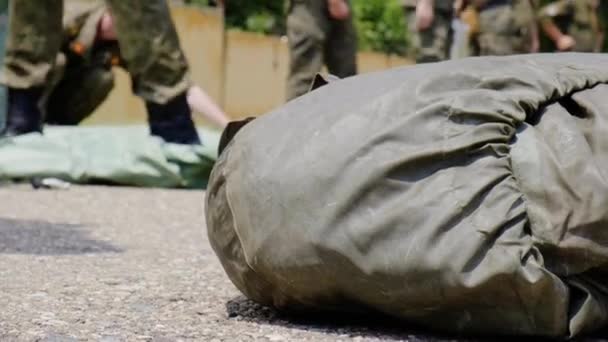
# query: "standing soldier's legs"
(32, 44)
(306, 23)
(432, 44)
(158, 68)
(341, 48)
(150, 45)
(443, 34)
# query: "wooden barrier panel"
(256, 73)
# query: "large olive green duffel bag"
(466, 196)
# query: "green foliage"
(201, 3)
(380, 26)
(262, 22)
(263, 16)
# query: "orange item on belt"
(77, 48)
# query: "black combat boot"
(23, 114)
(172, 121)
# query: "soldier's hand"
(424, 15)
(338, 9)
(565, 43)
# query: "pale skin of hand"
(562, 41)
(338, 9)
(201, 103)
(424, 14)
(565, 43)
(105, 28)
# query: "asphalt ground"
(126, 264)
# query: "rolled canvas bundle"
(466, 196)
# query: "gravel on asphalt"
(127, 264)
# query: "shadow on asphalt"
(46, 238)
(364, 325)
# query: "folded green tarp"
(468, 196)
(118, 155)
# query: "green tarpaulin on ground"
(118, 155)
(468, 196)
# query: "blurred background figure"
(82, 76)
(505, 27)
(466, 28)
(147, 41)
(320, 32)
(573, 25)
(430, 26)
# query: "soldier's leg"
(341, 48)
(33, 41)
(499, 34)
(32, 44)
(157, 65)
(412, 33)
(432, 44)
(435, 41)
(306, 25)
(444, 34)
(78, 94)
(525, 18)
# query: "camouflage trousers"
(505, 29)
(316, 40)
(147, 37)
(434, 43)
